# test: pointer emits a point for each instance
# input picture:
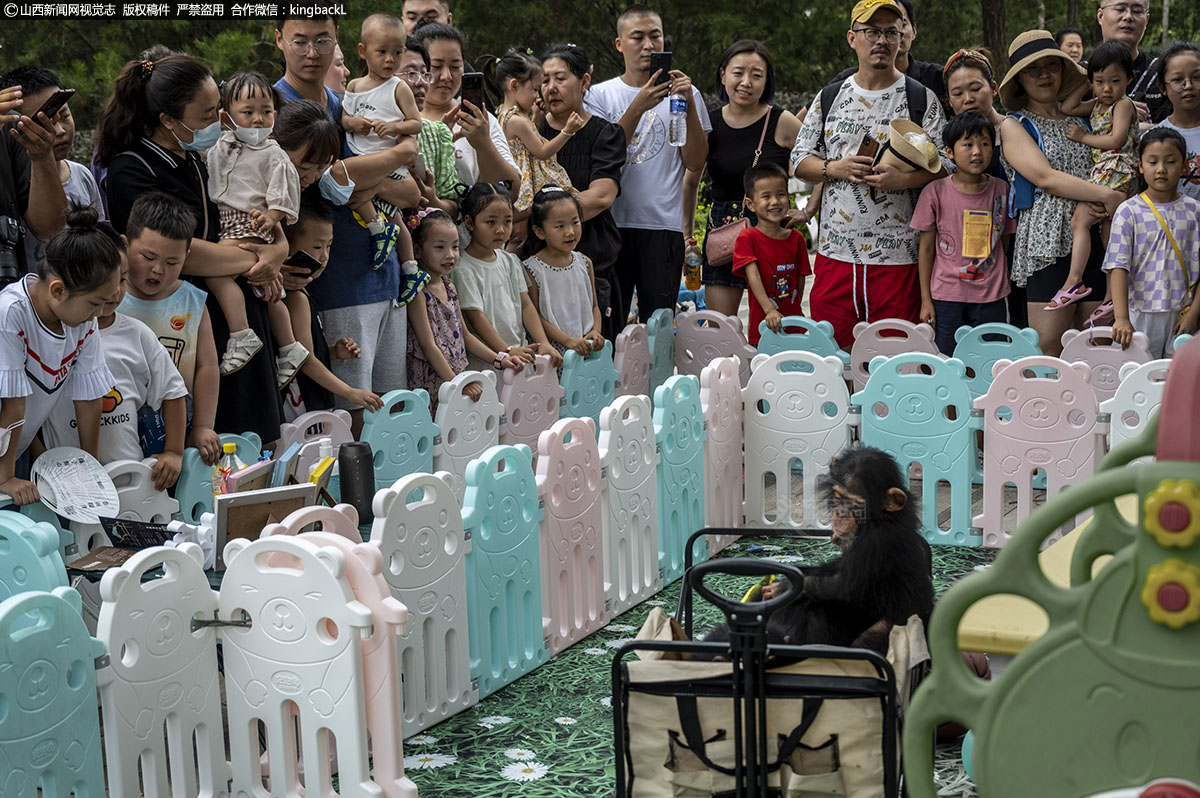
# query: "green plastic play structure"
(1107, 703)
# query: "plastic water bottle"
(692, 260)
(324, 450)
(677, 130)
(229, 463)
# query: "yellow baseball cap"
(865, 9)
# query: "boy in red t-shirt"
(772, 258)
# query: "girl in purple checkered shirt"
(1153, 253)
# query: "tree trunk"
(1041, 14)
(1166, 18)
(1073, 13)
(992, 13)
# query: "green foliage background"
(807, 37)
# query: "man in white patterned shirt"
(866, 265)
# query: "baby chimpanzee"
(883, 575)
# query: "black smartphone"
(303, 260)
(55, 103)
(661, 61)
(472, 89)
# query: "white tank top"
(378, 105)
(564, 295)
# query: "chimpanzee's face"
(848, 509)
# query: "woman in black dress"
(593, 159)
(746, 79)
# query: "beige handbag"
(719, 241)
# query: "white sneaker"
(243, 345)
(288, 363)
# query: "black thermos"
(356, 464)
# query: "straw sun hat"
(1031, 46)
(902, 150)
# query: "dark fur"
(883, 575)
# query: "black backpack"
(918, 100)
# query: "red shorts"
(845, 294)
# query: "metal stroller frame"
(750, 683)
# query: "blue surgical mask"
(252, 135)
(202, 139)
(334, 191)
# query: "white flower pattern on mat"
(524, 771)
(565, 721)
(788, 558)
(492, 721)
(620, 627)
(618, 642)
(429, 761)
(607, 701)
(421, 739)
(593, 651)
(519, 753)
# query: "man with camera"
(32, 201)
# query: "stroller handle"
(746, 566)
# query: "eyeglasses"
(1121, 9)
(1050, 67)
(873, 35)
(1179, 83)
(417, 77)
(322, 46)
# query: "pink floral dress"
(447, 333)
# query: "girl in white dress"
(563, 286)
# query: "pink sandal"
(1068, 296)
(1102, 316)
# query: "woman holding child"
(1038, 154)
(152, 134)
(482, 150)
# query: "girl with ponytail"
(49, 341)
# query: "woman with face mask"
(153, 134)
